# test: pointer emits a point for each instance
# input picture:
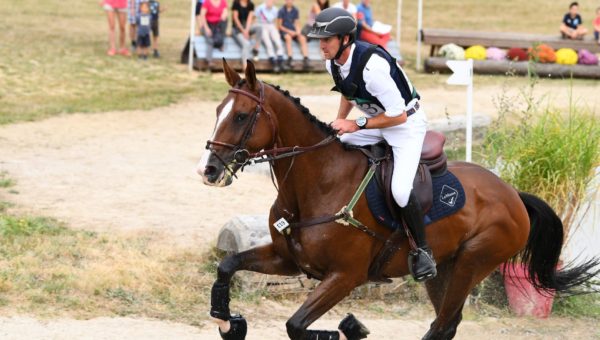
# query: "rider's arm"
(345, 108)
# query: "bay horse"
(316, 175)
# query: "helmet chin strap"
(343, 47)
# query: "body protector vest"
(354, 87)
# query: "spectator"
(155, 10)
(116, 10)
(198, 8)
(597, 26)
(143, 29)
(266, 15)
(287, 22)
(133, 12)
(213, 20)
(348, 6)
(571, 27)
(315, 9)
(365, 26)
(243, 28)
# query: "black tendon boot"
(420, 261)
(219, 301)
(350, 326)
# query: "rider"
(369, 78)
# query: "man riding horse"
(369, 78)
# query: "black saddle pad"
(448, 198)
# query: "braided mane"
(305, 111)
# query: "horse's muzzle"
(213, 172)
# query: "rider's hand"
(344, 126)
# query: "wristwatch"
(361, 122)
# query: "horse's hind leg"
(327, 294)
(477, 258)
(262, 259)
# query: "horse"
(316, 174)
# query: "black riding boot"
(420, 261)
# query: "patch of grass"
(56, 63)
(49, 269)
(5, 181)
(4, 206)
(586, 306)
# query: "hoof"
(237, 330)
(352, 328)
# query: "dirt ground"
(19, 328)
(135, 170)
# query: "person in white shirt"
(348, 6)
(369, 78)
(266, 16)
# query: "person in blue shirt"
(155, 10)
(143, 30)
(571, 26)
(365, 26)
(287, 22)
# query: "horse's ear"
(232, 77)
(251, 75)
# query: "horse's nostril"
(210, 170)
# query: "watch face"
(361, 121)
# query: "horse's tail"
(542, 252)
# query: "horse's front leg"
(262, 259)
(328, 293)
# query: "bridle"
(242, 156)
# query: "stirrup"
(421, 264)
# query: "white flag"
(463, 72)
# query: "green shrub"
(587, 305)
(544, 150)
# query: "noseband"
(242, 155)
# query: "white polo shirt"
(379, 83)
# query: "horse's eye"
(241, 117)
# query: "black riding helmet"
(334, 21)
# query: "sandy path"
(126, 171)
(25, 328)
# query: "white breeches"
(406, 141)
(270, 35)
